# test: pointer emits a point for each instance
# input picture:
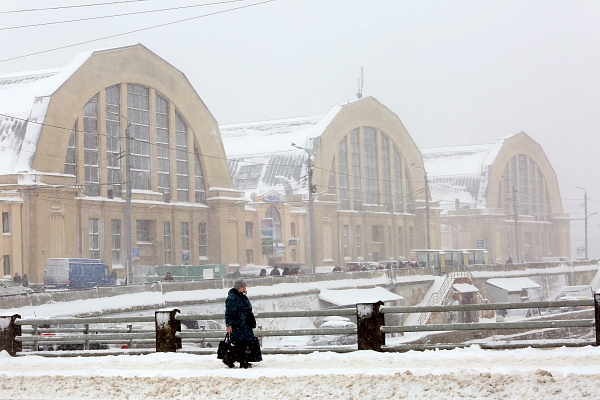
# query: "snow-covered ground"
(472, 373)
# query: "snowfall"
(469, 373)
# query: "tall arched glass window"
(398, 194)
(91, 159)
(71, 158)
(343, 173)
(113, 139)
(138, 115)
(181, 144)
(523, 175)
(199, 190)
(274, 214)
(356, 170)
(386, 182)
(163, 150)
(371, 173)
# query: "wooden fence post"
(8, 332)
(369, 322)
(597, 316)
(166, 329)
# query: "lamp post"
(585, 218)
(426, 206)
(311, 211)
(516, 218)
(127, 216)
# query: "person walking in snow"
(240, 321)
(17, 278)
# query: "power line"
(137, 30)
(118, 15)
(69, 7)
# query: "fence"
(167, 335)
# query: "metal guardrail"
(165, 333)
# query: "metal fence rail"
(162, 332)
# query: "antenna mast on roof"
(361, 82)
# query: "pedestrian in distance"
(240, 321)
(263, 272)
(17, 278)
(25, 281)
(275, 272)
(509, 260)
(168, 277)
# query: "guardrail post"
(369, 321)
(8, 332)
(166, 329)
(597, 316)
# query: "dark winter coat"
(238, 315)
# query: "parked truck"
(76, 273)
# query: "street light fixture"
(311, 212)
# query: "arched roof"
(38, 108)
(472, 173)
(265, 148)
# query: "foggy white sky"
(456, 73)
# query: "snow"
(350, 297)
(472, 373)
(513, 284)
(465, 288)
(565, 373)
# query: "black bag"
(255, 354)
(251, 320)
(226, 349)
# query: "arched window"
(199, 190)
(522, 181)
(163, 150)
(274, 214)
(138, 115)
(113, 139)
(91, 158)
(181, 143)
(362, 159)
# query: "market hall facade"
(201, 193)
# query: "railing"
(166, 334)
(438, 297)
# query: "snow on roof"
(351, 297)
(465, 288)
(513, 284)
(24, 98)
(460, 172)
(261, 157)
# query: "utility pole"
(585, 218)
(311, 211)
(128, 249)
(311, 216)
(516, 216)
(427, 228)
(427, 211)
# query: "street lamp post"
(128, 249)
(311, 211)
(585, 218)
(427, 228)
(516, 218)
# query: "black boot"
(245, 365)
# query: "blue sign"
(480, 244)
(135, 251)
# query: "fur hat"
(240, 283)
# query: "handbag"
(251, 320)
(225, 351)
(254, 352)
